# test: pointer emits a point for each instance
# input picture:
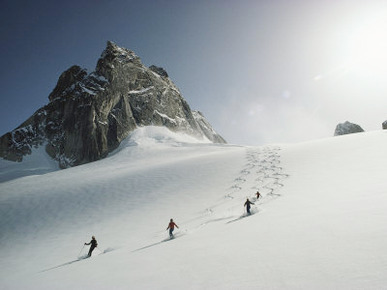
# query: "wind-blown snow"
(321, 223)
(35, 164)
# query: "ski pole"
(81, 250)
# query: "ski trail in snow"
(175, 236)
(81, 258)
(262, 172)
(268, 171)
(245, 215)
(65, 264)
(263, 164)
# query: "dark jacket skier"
(171, 227)
(247, 205)
(93, 244)
(258, 195)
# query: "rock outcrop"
(347, 128)
(384, 125)
(90, 114)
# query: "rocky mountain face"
(347, 128)
(90, 114)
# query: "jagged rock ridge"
(90, 114)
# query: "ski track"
(263, 165)
(168, 239)
(263, 170)
(80, 258)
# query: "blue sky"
(260, 71)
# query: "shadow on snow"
(78, 260)
(158, 243)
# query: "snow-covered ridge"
(39, 162)
(154, 138)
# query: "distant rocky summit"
(89, 114)
(347, 128)
(384, 125)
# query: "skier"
(93, 244)
(247, 205)
(171, 227)
(258, 195)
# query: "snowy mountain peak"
(90, 114)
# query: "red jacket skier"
(171, 227)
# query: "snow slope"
(321, 223)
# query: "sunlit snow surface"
(321, 223)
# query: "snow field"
(321, 223)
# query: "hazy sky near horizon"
(260, 71)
